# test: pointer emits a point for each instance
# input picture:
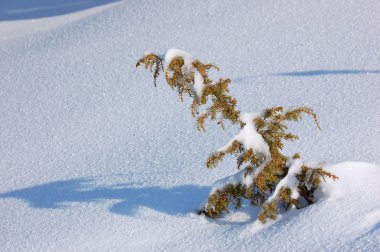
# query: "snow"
(94, 158)
(234, 179)
(186, 68)
(198, 84)
(173, 53)
(17, 20)
(250, 139)
(290, 181)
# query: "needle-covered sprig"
(266, 177)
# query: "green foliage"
(260, 173)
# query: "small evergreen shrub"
(266, 177)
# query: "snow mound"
(346, 215)
(92, 158)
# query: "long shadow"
(326, 72)
(308, 74)
(59, 194)
(32, 9)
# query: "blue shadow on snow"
(56, 195)
(326, 72)
(32, 9)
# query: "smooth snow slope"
(92, 156)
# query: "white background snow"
(93, 157)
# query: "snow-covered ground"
(93, 157)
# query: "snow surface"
(94, 158)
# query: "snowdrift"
(92, 157)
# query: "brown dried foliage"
(222, 199)
(222, 107)
(271, 125)
(309, 180)
(222, 103)
(154, 63)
